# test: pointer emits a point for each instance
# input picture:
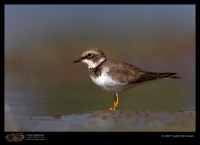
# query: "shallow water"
(62, 100)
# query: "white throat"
(92, 64)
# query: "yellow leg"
(116, 101)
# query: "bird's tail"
(165, 75)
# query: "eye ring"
(89, 55)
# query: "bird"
(116, 76)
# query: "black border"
(104, 137)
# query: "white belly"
(107, 83)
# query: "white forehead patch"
(92, 64)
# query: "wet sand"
(119, 120)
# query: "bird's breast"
(107, 83)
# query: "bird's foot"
(115, 105)
(112, 108)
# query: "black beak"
(78, 60)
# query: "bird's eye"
(89, 55)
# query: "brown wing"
(128, 73)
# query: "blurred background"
(42, 41)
